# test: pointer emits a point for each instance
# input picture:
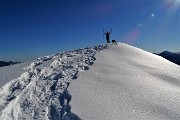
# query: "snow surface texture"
(127, 83)
(41, 92)
(9, 73)
(124, 83)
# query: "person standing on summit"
(108, 36)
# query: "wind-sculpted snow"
(127, 83)
(42, 92)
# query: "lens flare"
(132, 36)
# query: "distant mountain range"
(3, 63)
(171, 56)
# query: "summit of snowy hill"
(104, 82)
(127, 83)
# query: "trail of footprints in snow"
(42, 92)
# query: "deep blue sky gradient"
(34, 28)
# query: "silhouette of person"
(108, 36)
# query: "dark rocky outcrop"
(173, 57)
(3, 63)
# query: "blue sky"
(34, 28)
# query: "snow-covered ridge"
(128, 83)
(41, 92)
(125, 83)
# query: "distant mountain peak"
(171, 56)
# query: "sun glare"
(172, 5)
(175, 2)
(178, 0)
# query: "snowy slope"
(127, 83)
(118, 83)
(9, 73)
(41, 91)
